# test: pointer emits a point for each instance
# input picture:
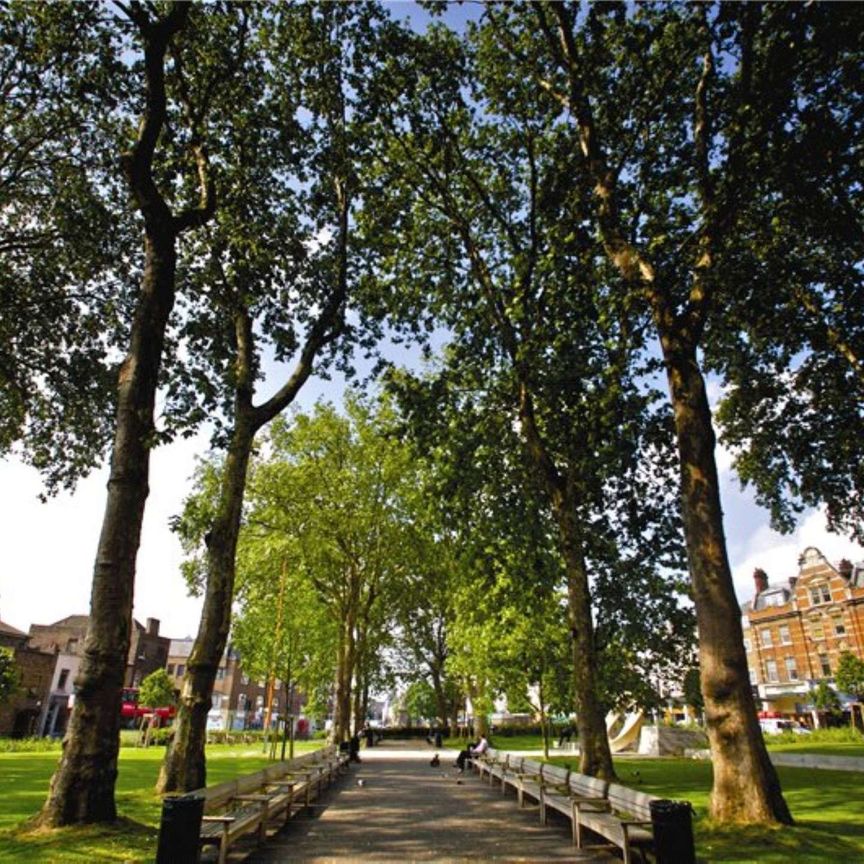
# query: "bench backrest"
(249, 784)
(217, 797)
(588, 787)
(557, 774)
(626, 800)
(529, 766)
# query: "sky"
(48, 549)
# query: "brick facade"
(795, 632)
(148, 651)
(20, 716)
(238, 702)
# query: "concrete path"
(395, 807)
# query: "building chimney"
(152, 626)
(844, 568)
(760, 577)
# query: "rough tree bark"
(746, 788)
(82, 788)
(184, 767)
(595, 756)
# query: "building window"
(765, 637)
(216, 699)
(170, 669)
(747, 645)
(820, 594)
(839, 627)
(791, 669)
(771, 671)
(753, 678)
(220, 673)
(63, 679)
(785, 638)
(825, 663)
(244, 678)
(817, 630)
(180, 670)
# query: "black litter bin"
(179, 830)
(673, 831)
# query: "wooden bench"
(246, 805)
(526, 777)
(492, 764)
(623, 817)
(561, 789)
(616, 813)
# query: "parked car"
(776, 725)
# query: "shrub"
(29, 745)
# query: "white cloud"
(49, 549)
(777, 554)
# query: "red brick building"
(795, 631)
(237, 702)
(20, 716)
(148, 651)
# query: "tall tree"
(672, 109)
(349, 545)
(479, 228)
(63, 227)
(82, 788)
(281, 275)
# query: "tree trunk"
(82, 789)
(344, 674)
(595, 756)
(184, 767)
(441, 707)
(746, 787)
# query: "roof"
(10, 630)
(778, 596)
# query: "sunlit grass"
(24, 779)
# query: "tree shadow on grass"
(810, 843)
(124, 840)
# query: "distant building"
(238, 701)
(794, 632)
(20, 716)
(64, 639)
(148, 651)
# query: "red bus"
(131, 712)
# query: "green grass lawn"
(826, 806)
(24, 779)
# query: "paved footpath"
(396, 807)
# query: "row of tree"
(390, 578)
(589, 200)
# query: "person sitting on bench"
(473, 750)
